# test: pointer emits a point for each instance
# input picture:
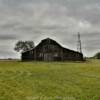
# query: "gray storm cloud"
(58, 19)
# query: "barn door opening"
(48, 57)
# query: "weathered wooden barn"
(50, 50)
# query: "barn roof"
(51, 41)
(48, 40)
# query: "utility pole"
(79, 45)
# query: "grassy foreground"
(50, 81)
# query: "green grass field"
(50, 81)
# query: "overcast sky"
(58, 19)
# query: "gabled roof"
(51, 41)
(48, 40)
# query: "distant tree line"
(97, 55)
